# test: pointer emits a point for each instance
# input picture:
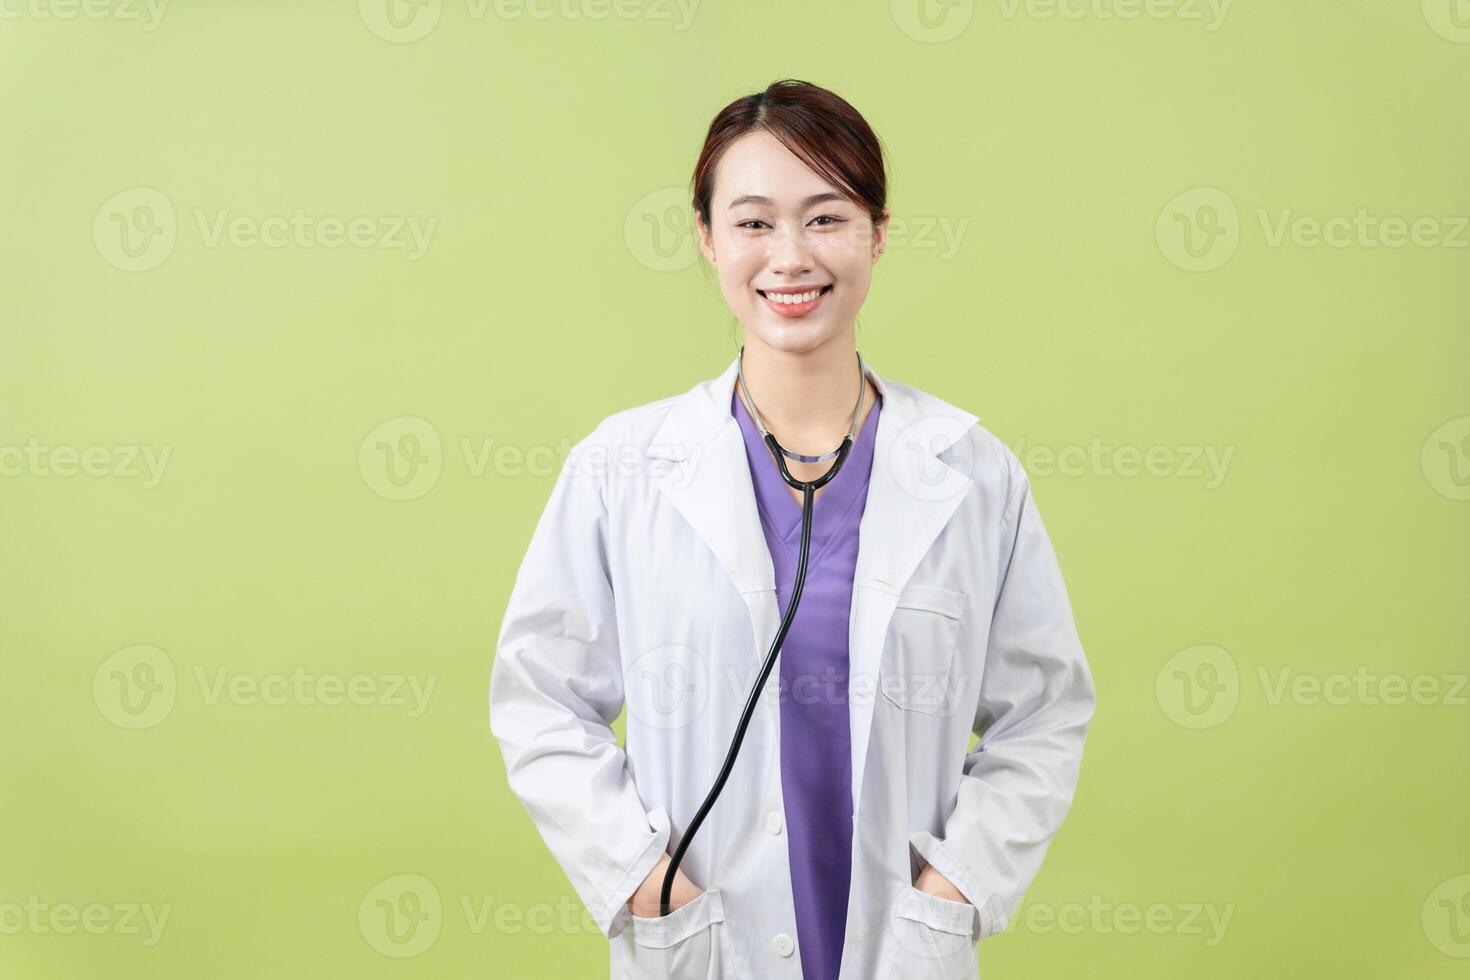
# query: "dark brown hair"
(817, 125)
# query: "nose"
(789, 253)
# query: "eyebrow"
(814, 199)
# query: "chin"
(795, 338)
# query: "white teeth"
(789, 300)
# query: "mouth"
(781, 302)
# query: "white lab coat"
(648, 581)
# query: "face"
(778, 229)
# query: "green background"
(559, 284)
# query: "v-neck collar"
(833, 505)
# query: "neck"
(807, 397)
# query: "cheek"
(853, 267)
(739, 267)
(735, 283)
(846, 254)
(856, 280)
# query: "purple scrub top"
(816, 745)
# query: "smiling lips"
(794, 301)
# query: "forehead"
(759, 164)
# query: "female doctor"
(854, 834)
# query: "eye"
(827, 220)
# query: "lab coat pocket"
(937, 934)
(922, 639)
(688, 942)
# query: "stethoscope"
(808, 490)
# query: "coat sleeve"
(556, 686)
(1035, 703)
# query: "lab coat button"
(773, 822)
(782, 944)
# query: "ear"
(706, 242)
(880, 234)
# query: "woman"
(857, 835)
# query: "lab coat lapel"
(711, 486)
(911, 496)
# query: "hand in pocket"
(645, 901)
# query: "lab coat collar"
(916, 485)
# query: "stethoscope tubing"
(808, 496)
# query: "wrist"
(933, 883)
